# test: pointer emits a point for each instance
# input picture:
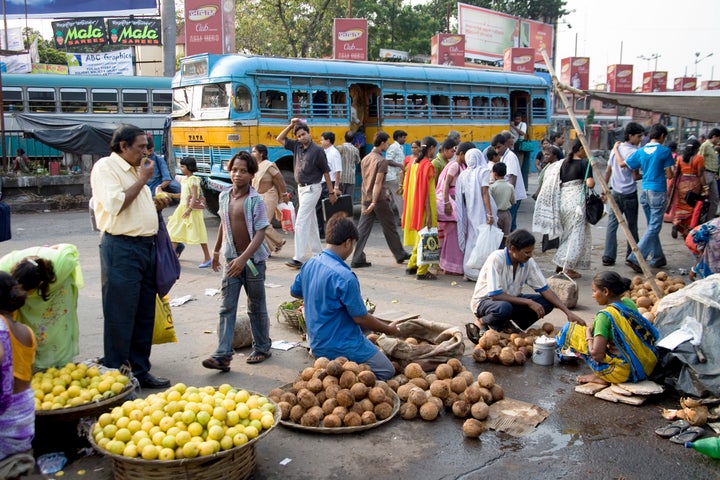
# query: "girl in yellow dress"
(186, 225)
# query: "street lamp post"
(698, 60)
(653, 56)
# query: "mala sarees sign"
(79, 31)
(134, 31)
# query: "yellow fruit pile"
(184, 422)
(74, 385)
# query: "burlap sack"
(444, 342)
(242, 336)
(565, 288)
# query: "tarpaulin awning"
(703, 105)
(81, 138)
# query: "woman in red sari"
(689, 177)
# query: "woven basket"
(293, 317)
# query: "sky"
(674, 30)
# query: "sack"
(565, 288)
(428, 247)
(287, 217)
(167, 265)
(163, 331)
(198, 204)
(489, 239)
(594, 207)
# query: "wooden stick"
(559, 90)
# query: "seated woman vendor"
(498, 296)
(620, 344)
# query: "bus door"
(520, 103)
(364, 112)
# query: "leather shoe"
(406, 256)
(293, 263)
(634, 266)
(360, 264)
(660, 263)
(607, 261)
(151, 381)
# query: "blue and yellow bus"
(142, 101)
(226, 103)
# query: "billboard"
(119, 62)
(489, 33)
(685, 84)
(575, 71)
(134, 31)
(14, 9)
(519, 60)
(619, 78)
(204, 27)
(350, 39)
(654, 82)
(710, 85)
(447, 49)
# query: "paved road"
(582, 438)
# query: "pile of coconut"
(641, 292)
(509, 348)
(451, 387)
(337, 393)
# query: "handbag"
(428, 247)
(198, 204)
(167, 265)
(594, 207)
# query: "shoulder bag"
(594, 207)
(167, 265)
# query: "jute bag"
(565, 288)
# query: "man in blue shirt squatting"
(335, 313)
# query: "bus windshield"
(202, 102)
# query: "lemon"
(182, 438)
(169, 442)
(166, 454)
(130, 451)
(105, 419)
(195, 429)
(203, 417)
(191, 450)
(242, 410)
(226, 443)
(216, 432)
(267, 420)
(123, 434)
(240, 439)
(251, 432)
(206, 448)
(150, 452)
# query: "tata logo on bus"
(195, 138)
(202, 13)
(350, 35)
(452, 40)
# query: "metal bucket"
(543, 352)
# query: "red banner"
(575, 71)
(519, 60)
(685, 84)
(350, 41)
(710, 85)
(619, 78)
(540, 36)
(203, 27)
(654, 82)
(447, 49)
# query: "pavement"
(582, 438)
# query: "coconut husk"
(611, 396)
(590, 388)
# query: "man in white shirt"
(395, 156)
(514, 175)
(327, 142)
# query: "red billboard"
(685, 84)
(519, 60)
(619, 78)
(575, 71)
(447, 49)
(540, 35)
(654, 82)
(203, 27)
(710, 85)
(350, 40)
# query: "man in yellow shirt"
(126, 214)
(709, 153)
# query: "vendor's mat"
(515, 417)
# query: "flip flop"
(473, 332)
(672, 429)
(690, 434)
(257, 357)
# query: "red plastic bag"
(287, 219)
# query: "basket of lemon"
(185, 432)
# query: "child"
(504, 195)
(20, 165)
(243, 221)
(186, 224)
(620, 344)
(17, 402)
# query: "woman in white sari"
(475, 205)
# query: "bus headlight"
(224, 165)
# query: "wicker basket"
(293, 315)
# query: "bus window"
(394, 105)
(440, 106)
(181, 100)
(12, 99)
(539, 108)
(461, 107)
(320, 105)
(481, 107)
(417, 105)
(301, 103)
(41, 100)
(104, 101)
(214, 96)
(73, 100)
(161, 101)
(273, 104)
(135, 101)
(500, 108)
(242, 101)
(338, 99)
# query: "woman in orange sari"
(689, 177)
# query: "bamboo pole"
(599, 176)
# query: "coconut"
(299, 385)
(321, 362)
(347, 379)
(307, 373)
(662, 276)
(331, 391)
(368, 418)
(275, 394)
(437, 401)
(289, 397)
(414, 370)
(497, 393)
(401, 378)
(366, 405)
(315, 385)
(352, 419)
(644, 302)
(367, 377)
(345, 398)
(473, 428)
(404, 391)
(320, 374)
(285, 408)
(340, 412)
(493, 354)
(444, 371)
(329, 405)
(548, 328)
(408, 411)
(520, 357)
(332, 421)
(456, 365)
(377, 395)
(352, 366)
(357, 408)
(359, 391)
(429, 411)
(309, 420)
(483, 343)
(461, 409)
(341, 360)
(486, 379)
(458, 384)
(420, 382)
(417, 396)
(486, 395)
(334, 368)
(439, 389)
(492, 337)
(373, 337)
(507, 356)
(519, 342)
(306, 398)
(383, 410)
(393, 384)
(317, 412)
(329, 380)
(472, 393)
(296, 413)
(480, 410)
(321, 397)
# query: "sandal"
(573, 274)
(279, 247)
(427, 276)
(257, 357)
(217, 364)
(411, 271)
(672, 429)
(690, 434)
(474, 332)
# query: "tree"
(548, 11)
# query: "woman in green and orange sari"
(620, 344)
(420, 206)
